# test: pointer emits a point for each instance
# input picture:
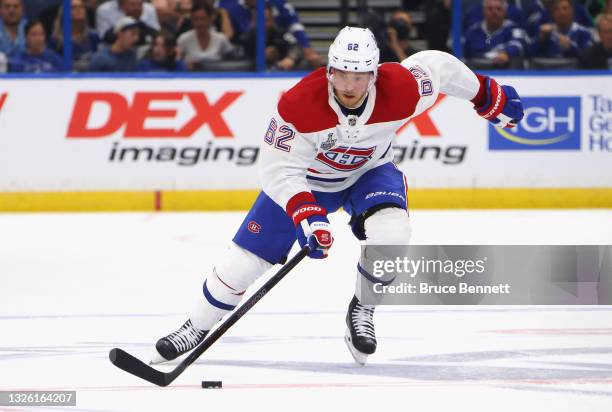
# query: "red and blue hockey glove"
(311, 224)
(501, 105)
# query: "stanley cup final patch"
(329, 143)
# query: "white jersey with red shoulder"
(311, 145)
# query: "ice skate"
(360, 336)
(177, 343)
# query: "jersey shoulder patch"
(306, 104)
(397, 94)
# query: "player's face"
(350, 87)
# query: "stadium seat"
(225, 66)
(486, 64)
(542, 63)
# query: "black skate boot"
(360, 336)
(177, 343)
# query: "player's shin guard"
(224, 287)
(222, 290)
(387, 236)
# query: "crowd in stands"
(150, 35)
(539, 33)
(196, 35)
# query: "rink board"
(193, 144)
(218, 200)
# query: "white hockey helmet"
(354, 50)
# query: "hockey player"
(329, 145)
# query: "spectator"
(202, 43)
(563, 37)
(282, 49)
(540, 12)
(54, 11)
(111, 11)
(33, 8)
(121, 55)
(594, 7)
(182, 21)
(242, 18)
(222, 20)
(36, 58)
(437, 29)
(599, 56)
(162, 57)
(171, 13)
(12, 26)
(495, 38)
(475, 14)
(397, 46)
(85, 40)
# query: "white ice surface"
(72, 286)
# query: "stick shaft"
(241, 311)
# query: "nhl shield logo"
(329, 143)
(352, 120)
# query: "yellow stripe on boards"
(218, 200)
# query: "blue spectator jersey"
(24, 62)
(107, 61)
(474, 15)
(509, 38)
(538, 14)
(89, 46)
(284, 14)
(7, 45)
(580, 36)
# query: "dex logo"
(134, 115)
(423, 122)
(550, 123)
(3, 97)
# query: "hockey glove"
(312, 227)
(501, 105)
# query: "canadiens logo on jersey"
(346, 159)
(254, 227)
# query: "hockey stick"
(130, 364)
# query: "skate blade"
(360, 357)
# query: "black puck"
(212, 384)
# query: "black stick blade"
(136, 367)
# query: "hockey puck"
(212, 384)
